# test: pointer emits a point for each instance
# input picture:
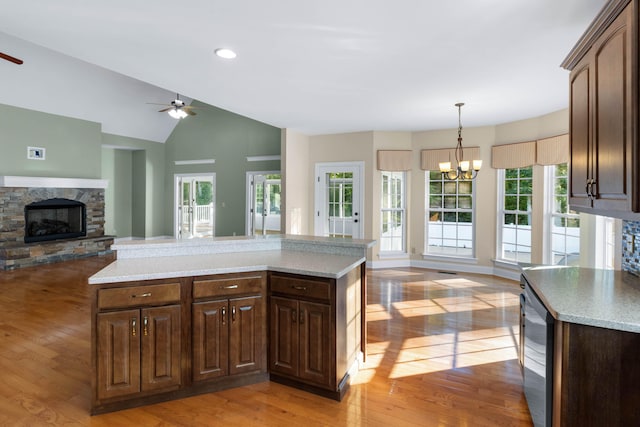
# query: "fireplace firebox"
(54, 219)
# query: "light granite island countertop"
(593, 297)
(170, 258)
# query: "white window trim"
(499, 218)
(435, 256)
(403, 252)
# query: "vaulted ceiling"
(313, 66)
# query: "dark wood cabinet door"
(246, 335)
(580, 136)
(161, 347)
(283, 336)
(210, 339)
(316, 343)
(612, 116)
(118, 353)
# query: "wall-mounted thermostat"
(35, 153)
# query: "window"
(564, 225)
(392, 235)
(340, 203)
(515, 214)
(450, 226)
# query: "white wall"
(296, 176)
(362, 146)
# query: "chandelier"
(463, 171)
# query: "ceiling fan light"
(225, 53)
(177, 113)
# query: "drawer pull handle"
(224, 315)
(302, 317)
(294, 316)
(229, 287)
(233, 313)
(299, 288)
(145, 326)
(145, 295)
(133, 327)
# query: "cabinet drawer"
(203, 288)
(139, 295)
(300, 287)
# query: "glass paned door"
(195, 206)
(264, 211)
(338, 200)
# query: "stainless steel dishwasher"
(538, 357)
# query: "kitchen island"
(595, 359)
(174, 318)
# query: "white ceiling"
(312, 66)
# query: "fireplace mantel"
(50, 182)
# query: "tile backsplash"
(631, 246)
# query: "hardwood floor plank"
(442, 352)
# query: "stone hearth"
(16, 192)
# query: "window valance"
(547, 151)
(430, 159)
(394, 160)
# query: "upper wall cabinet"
(604, 114)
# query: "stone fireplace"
(54, 219)
(44, 220)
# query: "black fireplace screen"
(54, 219)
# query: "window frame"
(462, 257)
(402, 210)
(501, 194)
(550, 214)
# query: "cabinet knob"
(224, 315)
(233, 313)
(133, 326)
(294, 316)
(145, 326)
(145, 295)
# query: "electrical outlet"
(35, 153)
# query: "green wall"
(228, 138)
(139, 198)
(135, 198)
(72, 145)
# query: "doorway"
(264, 191)
(194, 213)
(339, 196)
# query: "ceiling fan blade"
(165, 109)
(155, 103)
(11, 58)
(189, 112)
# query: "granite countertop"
(603, 298)
(296, 262)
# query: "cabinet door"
(612, 116)
(210, 339)
(118, 353)
(316, 351)
(161, 349)
(246, 337)
(283, 337)
(580, 134)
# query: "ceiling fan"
(177, 108)
(11, 58)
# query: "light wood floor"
(442, 352)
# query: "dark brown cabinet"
(301, 333)
(229, 332)
(597, 376)
(228, 337)
(138, 350)
(603, 115)
(156, 340)
(315, 331)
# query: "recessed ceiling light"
(225, 53)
